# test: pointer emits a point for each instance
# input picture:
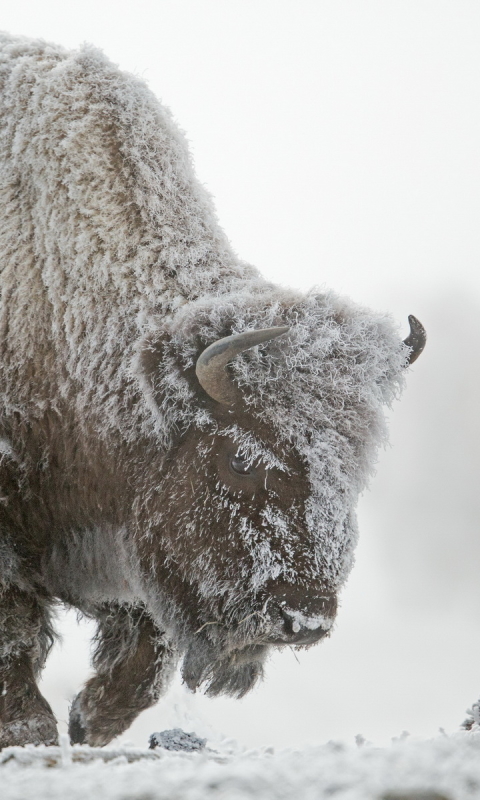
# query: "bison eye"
(240, 466)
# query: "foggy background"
(340, 141)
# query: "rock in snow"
(445, 768)
(176, 739)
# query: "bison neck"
(90, 567)
(70, 506)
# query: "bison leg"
(133, 663)
(26, 637)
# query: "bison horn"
(416, 339)
(212, 361)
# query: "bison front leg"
(134, 663)
(25, 640)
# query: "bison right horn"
(212, 361)
(416, 339)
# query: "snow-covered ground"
(445, 767)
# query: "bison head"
(254, 524)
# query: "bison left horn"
(416, 339)
(212, 361)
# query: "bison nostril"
(292, 621)
(288, 622)
(296, 622)
(298, 629)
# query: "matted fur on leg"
(25, 640)
(134, 664)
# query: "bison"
(182, 443)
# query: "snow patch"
(446, 767)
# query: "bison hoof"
(36, 730)
(76, 728)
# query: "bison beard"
(182, 444)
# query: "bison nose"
(304, 615)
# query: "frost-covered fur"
(115, 489)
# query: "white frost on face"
(278, 523)
(318, 395)
(266, 563)
(335, 482)
(269, 564)
(335, 536)
(320, 390)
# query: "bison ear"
(149, 365)
(150, 356)
(156, 367)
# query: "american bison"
(182, 443)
